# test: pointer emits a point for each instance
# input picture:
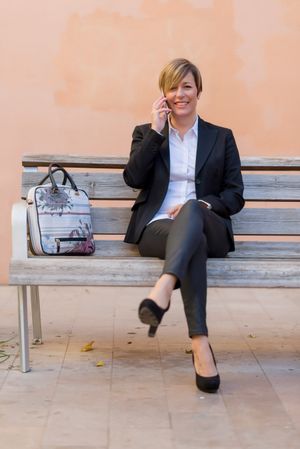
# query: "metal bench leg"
(23, 329)
(36, 315)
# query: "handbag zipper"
(68, 239)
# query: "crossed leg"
(185, 243)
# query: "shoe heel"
(152, 331)
(150, 313)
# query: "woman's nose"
(179, 92)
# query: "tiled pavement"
(144, 397)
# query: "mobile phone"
(166, 106)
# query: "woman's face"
(183, 98)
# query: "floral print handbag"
(59, 217)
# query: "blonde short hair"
(175, 70)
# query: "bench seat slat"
(145, 271)
(247, 249)
(266, 250)
(107, 186)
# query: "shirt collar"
(194, 128)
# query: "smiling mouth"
(181, 103)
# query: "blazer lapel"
(206, 141)
(165, 149)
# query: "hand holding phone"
(160, 111)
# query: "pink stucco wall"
(75, 76)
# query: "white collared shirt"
(182, 170)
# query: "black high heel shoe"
(151, 313)
(207, 384)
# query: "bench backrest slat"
(250, 221)
(69, 160)
(108, 186)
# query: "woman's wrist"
(205, 204)
(156, 130)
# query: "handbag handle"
(67, 176)
(47, 176)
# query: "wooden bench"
(272, 193)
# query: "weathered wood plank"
(145, 271)
(106, 220)
(266, 250)
(253, 273)
(104, 186)
(70, 160)
(250, 221)
(115, 248)
(247, 249)
(262, 221)
(108, 186)
(271, 187)
(270, 163)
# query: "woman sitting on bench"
(189, 174)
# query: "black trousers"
(185, 243)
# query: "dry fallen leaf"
(251, 336)
(87, 347)
(100, 363)
(3, 356)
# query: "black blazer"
(218, 176)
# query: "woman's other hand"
(159, 114)
(174, 211)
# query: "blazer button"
(198, 181)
